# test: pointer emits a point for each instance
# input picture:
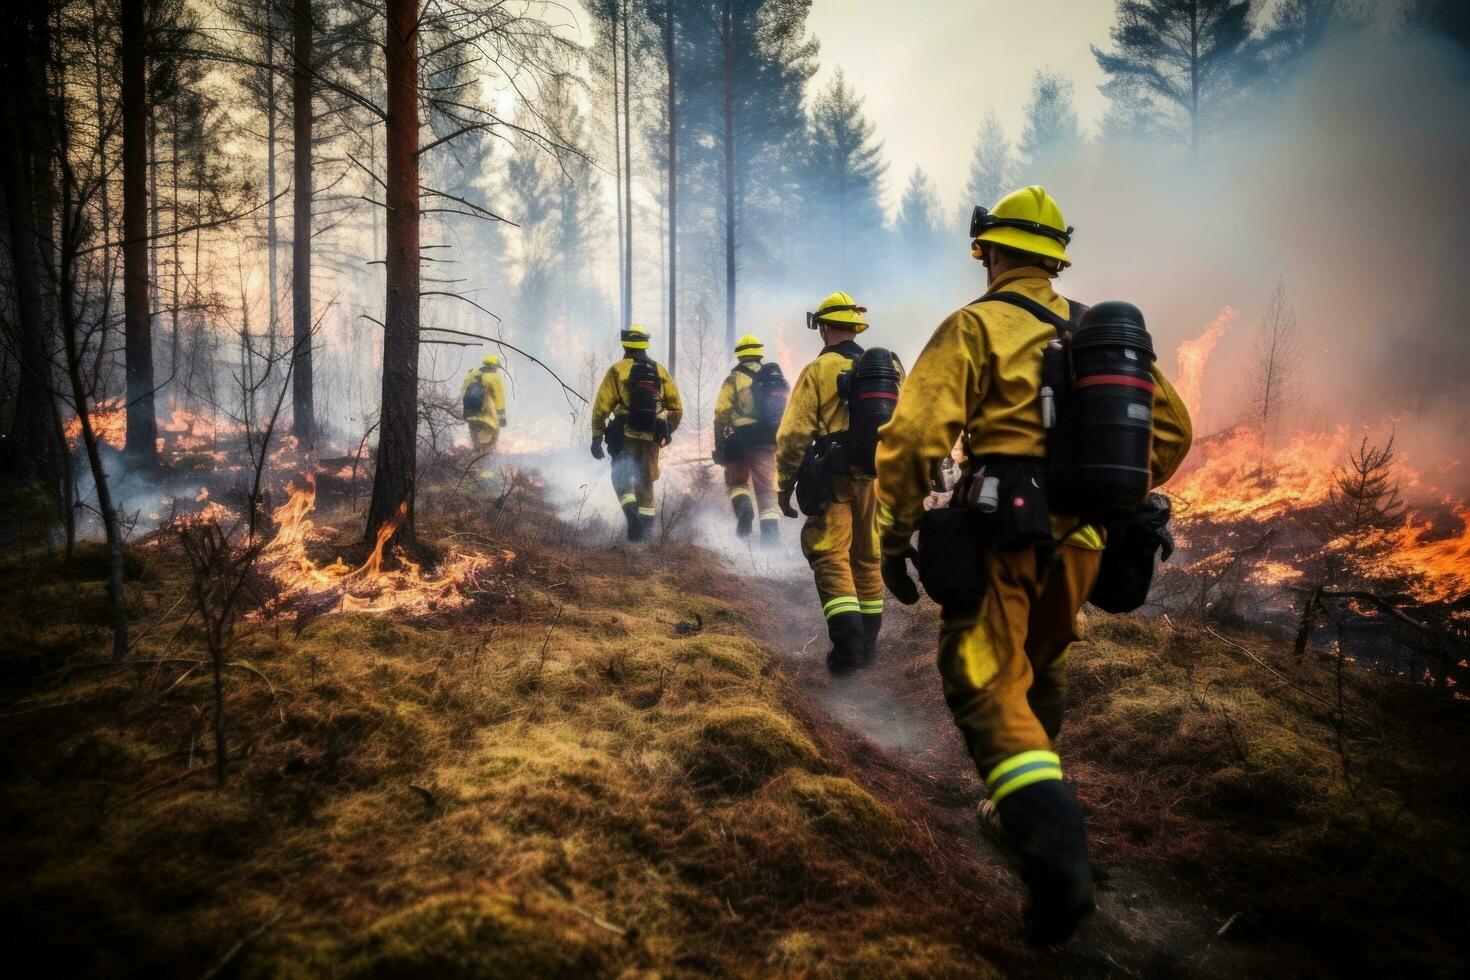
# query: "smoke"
(1347, 186)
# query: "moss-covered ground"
(619, 761)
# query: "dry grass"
(549, 782)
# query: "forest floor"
(629, 761)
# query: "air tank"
(872, 397)
(1112, 411)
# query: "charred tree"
(142, 424)
(303, 424)
(727, 117)
(671, 62)
(393, 483)
(25, 162)
(628, 165)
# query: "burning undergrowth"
(388, 581)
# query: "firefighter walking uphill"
(637, 410)
(824, 454)
(1018, 551)
(483, 397)
(748, 410)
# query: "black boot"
(635, 523)
(744, 515)
(648, 532)
(1043, 822)
(872, 623)
(846, 632)
(770, 532)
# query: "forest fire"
(109, 424)
(369, 588)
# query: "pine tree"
(844, 177)
(918, 217)
(1051, 121)
(991, 166)
(1185, 60)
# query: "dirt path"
(1148, 924)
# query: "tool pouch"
(825, 458)
(1022, 518)
(615, 435)
(1129, 558)
(952, 540)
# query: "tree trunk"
(673, 192)
(393, 483)
(272, 236)
(303, 424)
(627, 165)
(173, 315)
(618, 175)
(142, 425)
(25, 163)
(727, 37)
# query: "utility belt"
(1002, 504)
(751, 435)
(826, 458)
(617, 433)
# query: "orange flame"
(369, 588)
(1193, 354)
(1439, 569)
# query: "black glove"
(661, 432)
(717, 456)
(597, 447)
(784, 499)
(896, 576)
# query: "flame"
(1231, 477)
(1439, 568)
(1193, 354)
(369, 588)
(109, 424)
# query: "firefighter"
(483, 395)
(840, 543)
(748, 409)
(1002, 652)
(637, 409)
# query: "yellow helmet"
(491, 360)
(635, 337)
(839, 310)
(1027, 220)
(749, 346)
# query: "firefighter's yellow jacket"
(981, 374)
(734, 403)
(492, 411)
(613, 398)
(815, 408)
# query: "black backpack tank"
(872, 396)
(770, 392)
(643, 391)
(474, 397)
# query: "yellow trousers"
(1003, 662)
(634, 472)
(841, 545)
(754, 477)
(484, 431)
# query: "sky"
(926, 87)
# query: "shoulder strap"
(1062, 327)
(747, 369)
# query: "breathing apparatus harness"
(1096, 397)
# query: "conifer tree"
(1051, 120)
(990, 165)
(1182, 60)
